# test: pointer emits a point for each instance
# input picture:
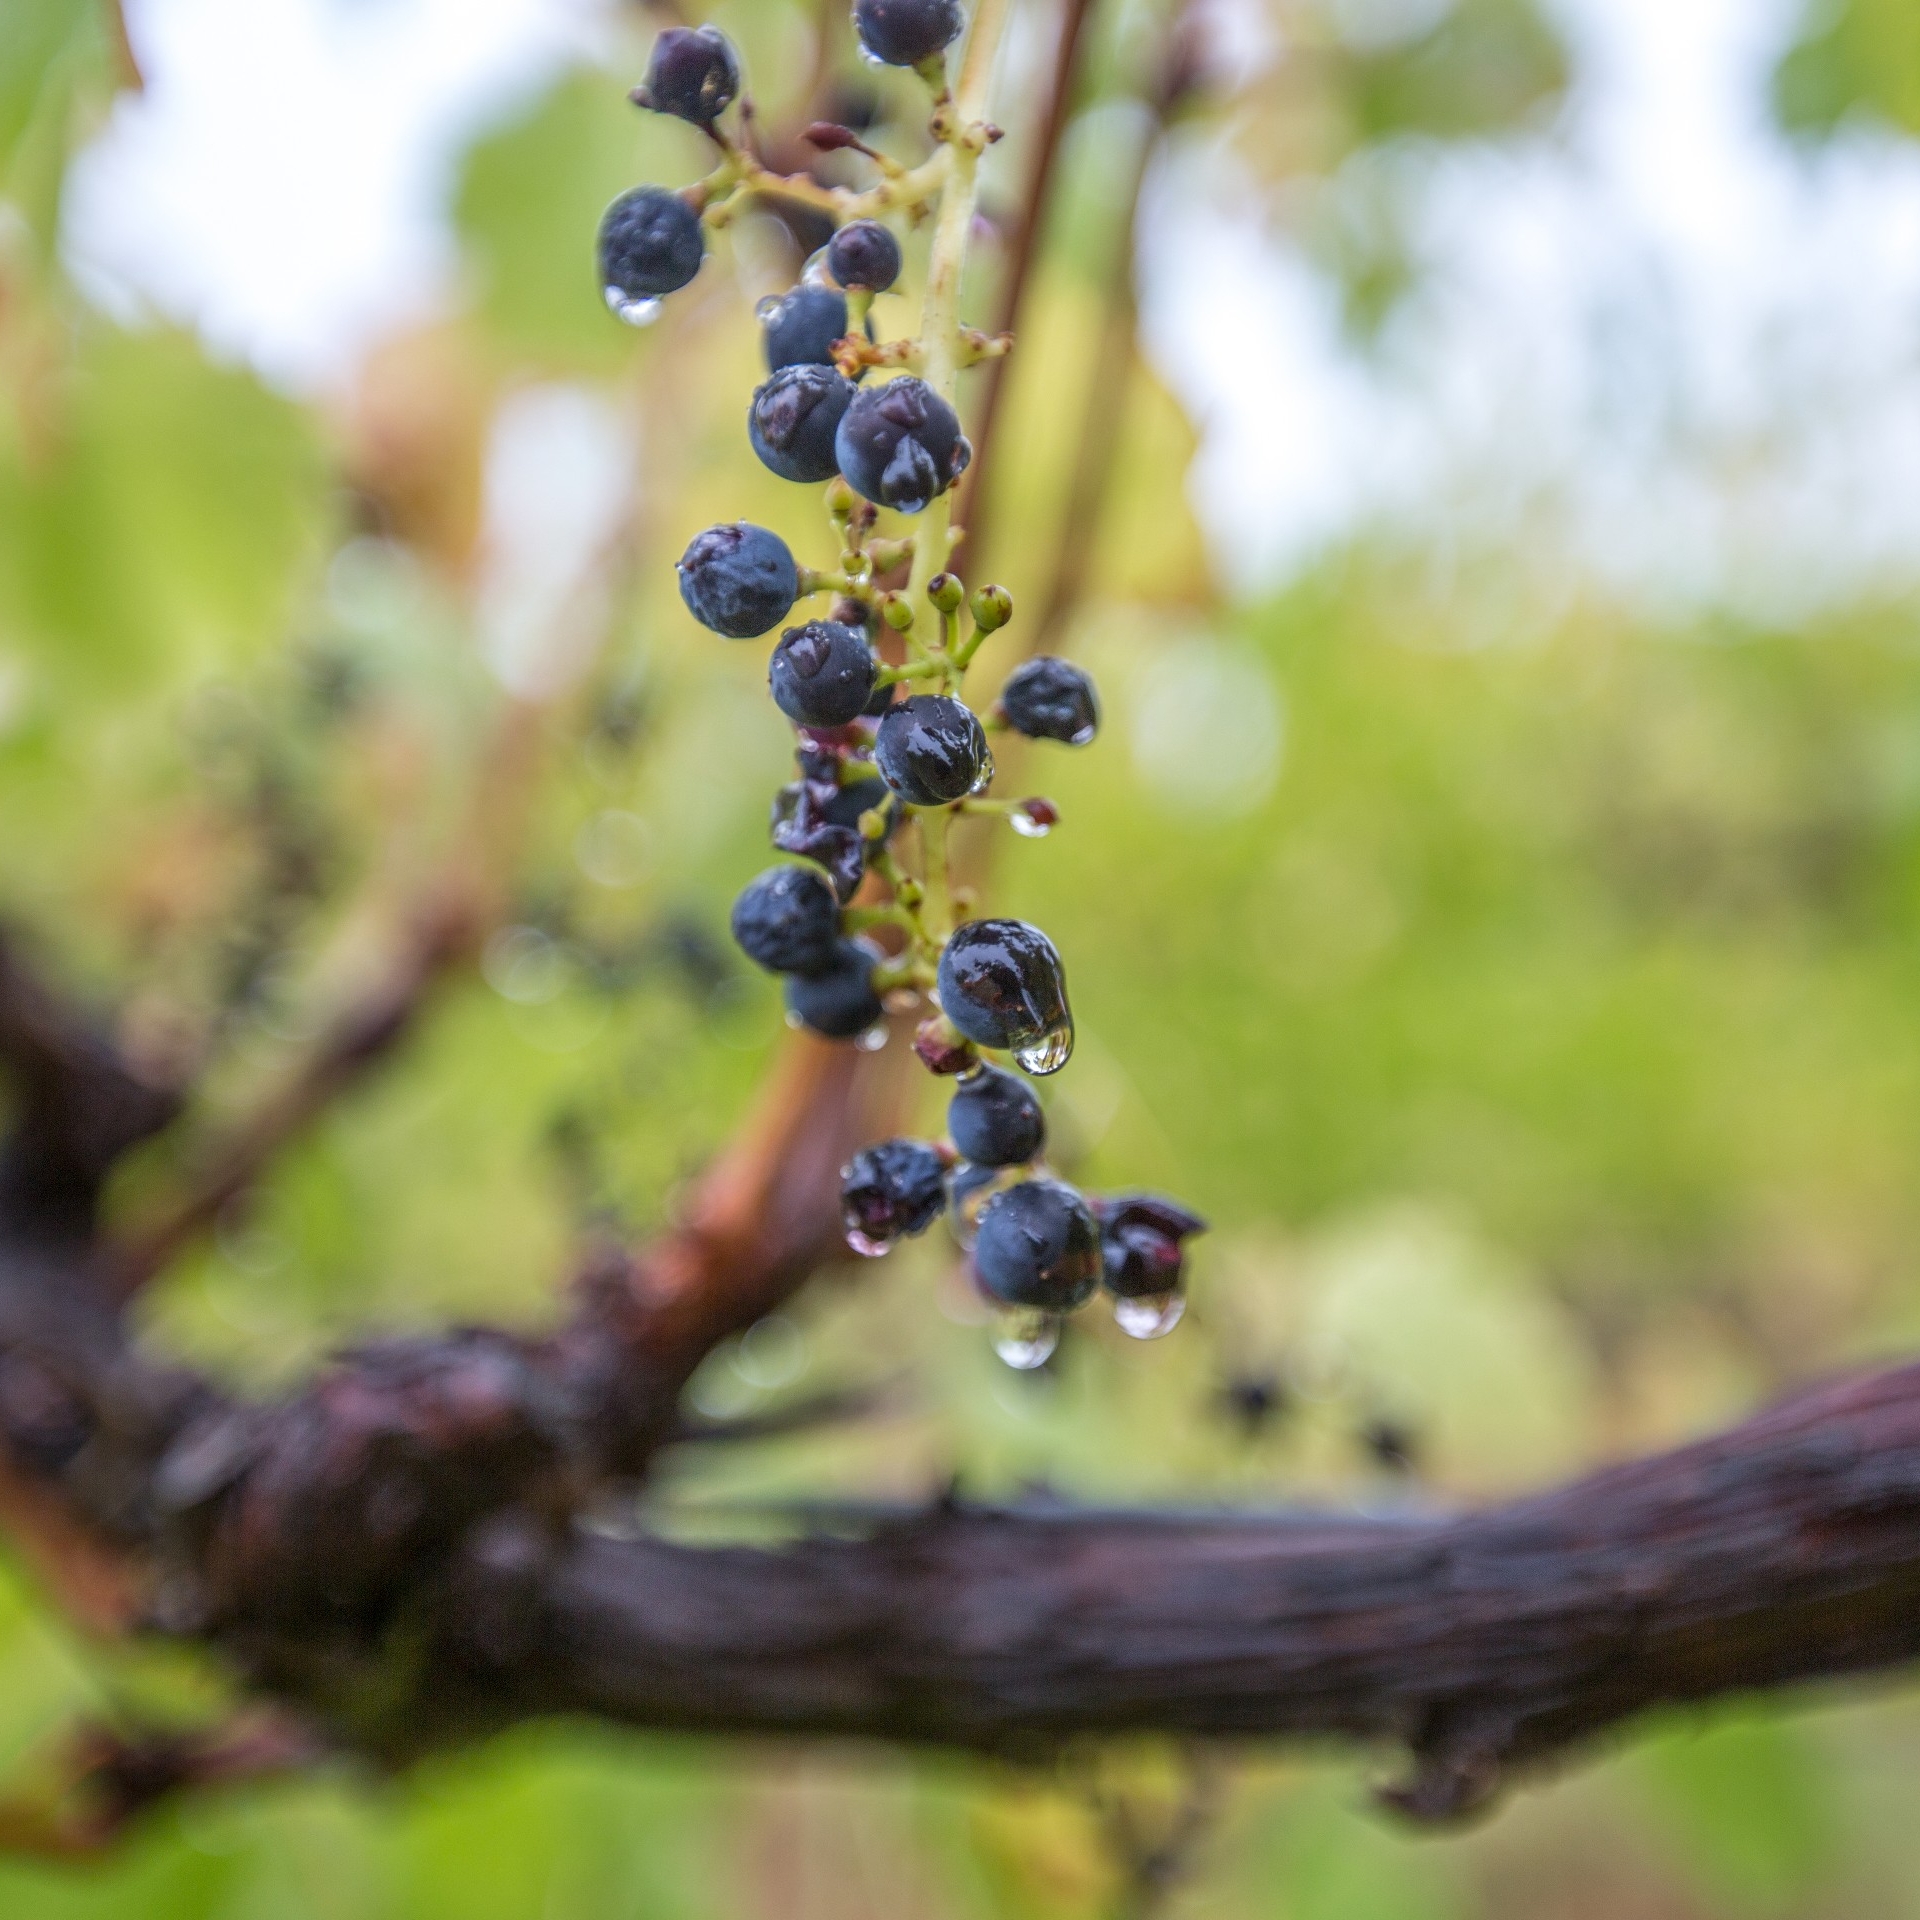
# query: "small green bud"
(992, 607)
(896, 611)
(946, 591)
(840, 498)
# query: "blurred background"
(1476, 446)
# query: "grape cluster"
(862, 919)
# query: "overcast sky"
(1659, 338)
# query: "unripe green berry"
(992, 607)
(896, 611)
(946, 592)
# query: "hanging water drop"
(984, 778)
(767, 306)
(641, 312)
(969, 1188)
(1149, 1316)
(1047, 1051)
(873, 1039)
(868, 1245)
(1026, 1339)
(1034, 819)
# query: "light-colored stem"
(941, 344)
(940, 305)
(938, 913)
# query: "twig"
(1107, 391)
(1035, 200)
(364, 1031)
(80, 1106)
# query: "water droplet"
(815, 274)
(865, 1243)
(873, 1039)
(1081, 738)
(1046, 1052)
(770, 1353)
(767, 306)
(524, 965)
(969, 1188)
(1149, 1316)
(1026, 1339)
(984, 778)
(794, 1021)
(636, 313)
(614, 848)
(1027, 826)
(869, 56)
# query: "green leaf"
(40, 41)
(162, 523)
(1857, 57)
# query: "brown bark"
(1785, 1550)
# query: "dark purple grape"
(650, 245)
(900, 445)
(891, 1190)
(1002, 984)
(931, 750)
(795, 418)
(1140, 1236)
(858, 797)
(800, 327)
(1050, 699)
(692, 75)
(822, 673)
(818, 819)
(839, 851)
(864, 255)
(1038, 1247)
(788, 921)
(994, 1119)
(903, 33)
(739, 580)
(839, 1001)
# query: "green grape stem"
(944, 349)
(947, 182)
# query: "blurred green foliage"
(1480, 68)
(1353, 155)
(1527, 991)
(1851, 60)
